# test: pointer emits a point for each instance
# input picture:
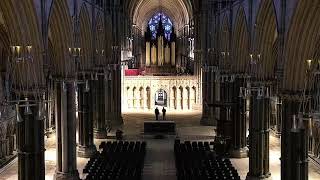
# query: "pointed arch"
(240, 49)
(265, 37)
(225, 37)
(108, 38)
(21, 25)
(301, 43)
(86, 60)
(60, 33)
(100, 40)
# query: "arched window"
(167, 25)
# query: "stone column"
(116, 118)
(239, 140)
(224, 124)
(98, 105)
(258, 137)
(293, 143)
(205, 100)
(30, 141)
(278, 117)
(298, 154)
(66, 164)
(49, 124)
(108, 99)
(86, 147)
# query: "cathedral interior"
(159, 89)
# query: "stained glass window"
(166, 22)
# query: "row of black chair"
(118, 160)
(198, 161)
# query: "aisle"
(159, 162)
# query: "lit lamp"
(309, 63)
(20, 53)
(254, 58)
(75, 52)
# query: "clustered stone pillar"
(294, 153)
(98, 94)
(224, 124)
(298, 154)
(117, 95)
(86, 147)
(108, 99)
(278, 117)
(114, 90)
(259, 136)
(205, 101)
(66, 164)
(30, 141)
(239, 140)
(49, 123)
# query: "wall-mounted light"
(100, 52)
(75, 52)
(21, 53)
(309, 63)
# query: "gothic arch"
(300, 44)
(108, 38)
(100, 41)
(265, 36)
(4, 47)
(142, 11)
(60, 33)
(85, 39)
(20, 23)
(225, 37)
(240, 49)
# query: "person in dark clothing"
(156, 111)
(164, 113)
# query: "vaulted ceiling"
(180, 11)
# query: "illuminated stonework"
(142, 93)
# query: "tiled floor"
(159, 163)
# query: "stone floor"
(159, 163)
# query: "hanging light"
(294, 122)
(241, 95)
(27, 109)
(41, 115)
(64, 88)
(87, 87)
(18, 115)
(309, 63)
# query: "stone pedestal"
(86, 147)
(66, 164)
(30, 142)
(259, 137)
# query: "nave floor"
(159, 163)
